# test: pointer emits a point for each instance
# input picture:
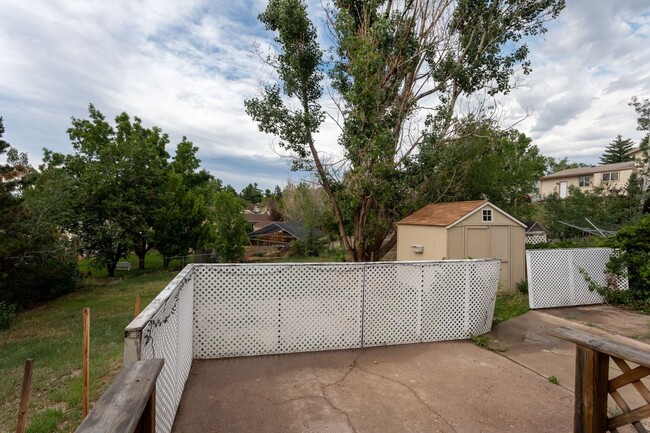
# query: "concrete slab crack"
(415, 394)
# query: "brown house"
(469, 229)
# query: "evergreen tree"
(617, 151)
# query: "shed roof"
(449, 214)
(582, 171)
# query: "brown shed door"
(476, 242)
(500, 248)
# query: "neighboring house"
(610, 176)
(536, 233)
(280, 232)
(475, 229)
(257, 220)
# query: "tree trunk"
(165, 263)
(140, 250)
(111, 268)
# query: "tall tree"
(399, 71)
(230, 226)
(181, 220)
(617, 151)
(251, 194)
(36, 261)
(115, 174)
(642, 108)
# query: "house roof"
(295, 229)
(257, 217)
(582, 171)
(534, 227)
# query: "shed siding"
(498, 219)
(517, 256)
(456, 243)
(433, 239)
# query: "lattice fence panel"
(236, 310)
(392, 304)
(536, 239)
(554, 278)
(168, 335)
(458, 299)
(320, 308)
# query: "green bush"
(7, 315)
(309, 247)
(522, 287)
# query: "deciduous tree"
(399, 72)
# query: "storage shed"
(468, 229)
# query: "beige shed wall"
(433, 239)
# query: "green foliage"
(230, 227)
(487, 163)
(252, 194)
(522, 287)
(617, 150)
(391, 64)
(509, 306)
(311, 246)
(7, 315)
(553, 165)
(553, 380)
(181, 220)
(36, 261)
(634, 258)
(481, 341)
(607, 209)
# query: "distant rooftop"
(582, 171)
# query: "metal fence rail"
(214, 311)
(554, 278)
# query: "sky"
(187, 67)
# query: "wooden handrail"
(593, 385)
(129, 403)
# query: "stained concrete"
(433, 387)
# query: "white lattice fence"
(554, 278)
(214, 311)
(164, 330)
(243, 310)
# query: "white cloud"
(187, 67)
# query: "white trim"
(469, 214)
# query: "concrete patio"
(429, 387)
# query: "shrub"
(7, 315)
(522, 287)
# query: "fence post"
(592, 370)
(24, 396)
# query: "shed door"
(500, 248)
(476, 242)
(562, 189)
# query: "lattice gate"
(555, 279)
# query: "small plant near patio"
(481, 341)
(522, 287)
(553, 380)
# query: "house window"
(487, 215)
(610, 176)
(584, 181)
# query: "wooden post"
(592, 373)
(86, 362)
(136, 310)
(147, 422)
(24, 396)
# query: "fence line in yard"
(554, 278)
(214, 311)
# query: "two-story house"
(611, 176)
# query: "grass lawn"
(508, 306)
(52, 335)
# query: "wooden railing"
(593, 383)
(129, 403)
